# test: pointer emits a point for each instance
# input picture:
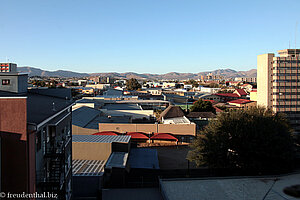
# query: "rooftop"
(171, 112)
(269, 188)
(240, 101)
(117, 159)
(122, 107)
(84, 115)
(227, 95)
(131, 194)
(241, 92)
(88, 167)
(143, 158)
(41, 107)
(101, 138)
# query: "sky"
(145, 36)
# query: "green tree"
(203, 106)
(214, 85)
(254, 139)
(193, 83)
(132, 84)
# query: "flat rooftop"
(117, 159)
(143, 158)
(101, 138)
(131, 194)
(124, 106)
(270, 188)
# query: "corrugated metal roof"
(88, 167)
(101, 138)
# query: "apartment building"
(35, 137)
(278, 83)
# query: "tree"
(132, 84)
(214, 85)
(253, 140)
(193, 83)
(203, 106)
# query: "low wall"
(176, 129)
(76, 130)
(82, 150)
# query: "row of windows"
(285, 68)
(286, 61)
(292, 112)
(286, 81)
(287, 99)
(286, 87)
(286, 74)
(287, 106)
(285, 93)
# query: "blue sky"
(145, 36)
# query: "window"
(5, 82)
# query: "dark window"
(5, 82)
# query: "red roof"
(240, 101)
(227, 95)
(106, 133)
(253, 90)
(241, 92)
(218, 109)
(138, 135)
(211, 101)
(163, 136)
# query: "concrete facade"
(278, 83)
(176, 129)
(264, 80)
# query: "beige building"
(278, 83)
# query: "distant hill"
(59, 73)
(229, 73)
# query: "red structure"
(138, 135)
(163, 136)
(107, 133)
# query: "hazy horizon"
(136, 72)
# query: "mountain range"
(228, 73)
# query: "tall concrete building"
(278, 83)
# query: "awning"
(138, 135)
(163, 136)
(106, 133)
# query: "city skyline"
(144, 37)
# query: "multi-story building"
(246, 79)
(278, 83)
(35, 137)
